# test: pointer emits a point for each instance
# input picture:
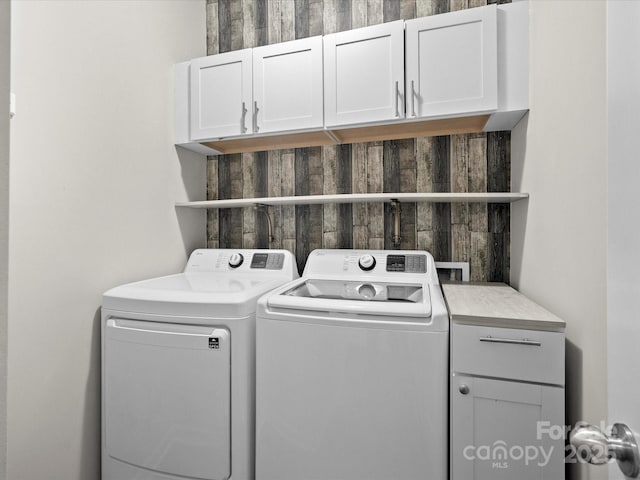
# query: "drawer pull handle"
(511, 341)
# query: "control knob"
(235, 260)
(367, 262)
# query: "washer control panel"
(267, 261)
(407, 263)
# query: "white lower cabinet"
(504, 430)
(506, 395)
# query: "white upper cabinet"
(221, 95)
(452, 63)
(364, 75)
(287, 86)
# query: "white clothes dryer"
(178, 368)
(352, 370)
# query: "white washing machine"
(178, 368)
(352, 362)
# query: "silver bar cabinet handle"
(255, 116)
(413, 96)
(397, 93)
(243, 125)
(511, 341)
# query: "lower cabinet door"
(503, 430)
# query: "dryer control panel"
(240, 260)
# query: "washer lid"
(196, 294)
(376, 298)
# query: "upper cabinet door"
(220, 95)
(287, 86)
(452, 65)
(364, 75)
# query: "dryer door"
(167, 397)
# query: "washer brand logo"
(214, 342)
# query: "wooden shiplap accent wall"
(477, 233)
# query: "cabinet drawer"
(526, 355)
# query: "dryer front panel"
(167, 397)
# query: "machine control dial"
(235, 260)
(367, 262)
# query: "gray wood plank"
(248, 191)
(391, 183)
(248, 23)
(425, 8)
(274, 22)
(302, 18)
(237, 25)
(261, 23)
(329, 220)
(375, 12)
(224, 21)
(316, 187)
(287, 18)
(316, 26)
(498, 222)
(287, 186)
(478, 221)
(455, 5)
(302, 224)
(343, 14)
(441, 211)
(424, 180)
(261, 189)
(213, 232)
(390, 10)
(459, 171)
(212, 27)
(344, 227)
(358, 14)
(375, 184)
(407, 9)
(359, 185)
(329, 16)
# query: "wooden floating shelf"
(360, 198)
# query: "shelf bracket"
(396, 210)
(264, 209)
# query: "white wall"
(94, 179)
(558, 237)
(5, 37)
(623, 254)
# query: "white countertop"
(497, 305)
